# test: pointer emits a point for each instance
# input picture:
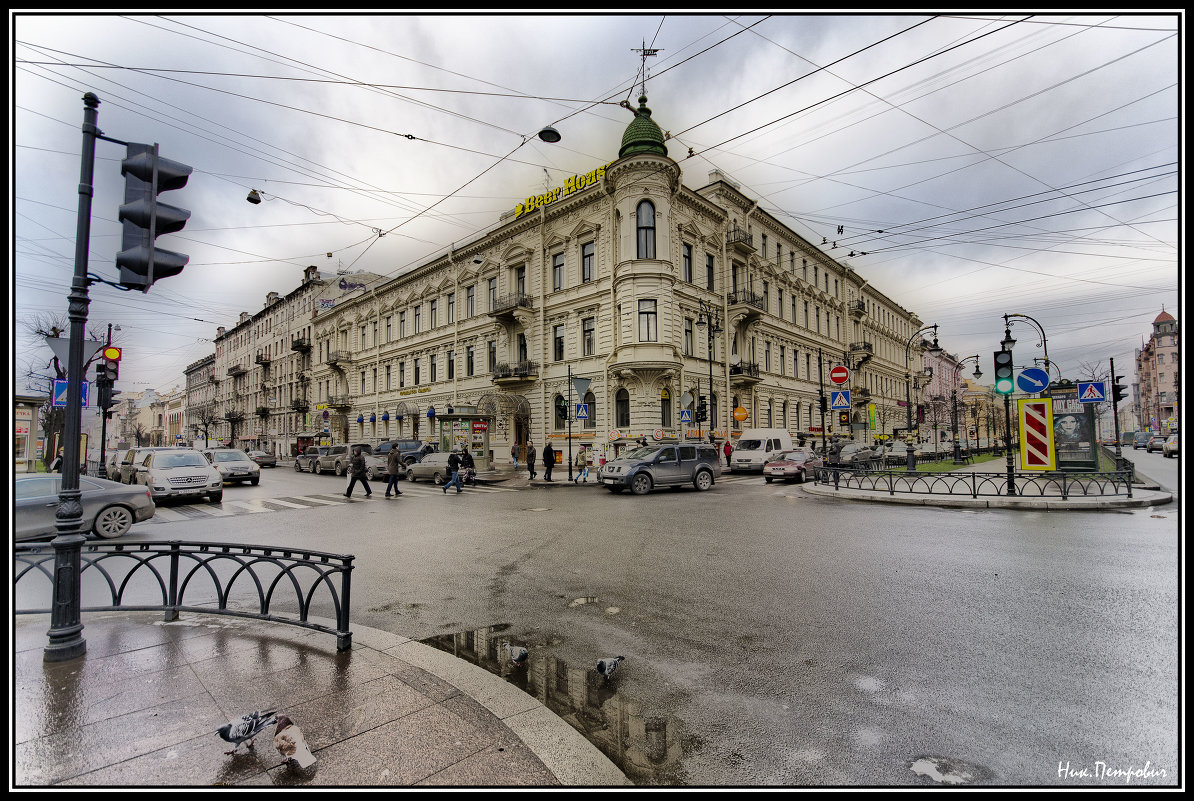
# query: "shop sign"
(480, 425)
(573, 184)
(414, 391)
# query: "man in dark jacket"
(549, 460)
(357, 467)
(531, 458)
(454, 468)
(393, 471)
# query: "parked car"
(1141, 440)
(337, 457)
(109, 507)
(132, 458)
(1169, 449)
(758, 446)
(411, 449)
(180, 473)
(669, 465)
(854, 455)
(234, 465)
(433, 466)
(308, 458)
(112, 468)
(263, 459)
(794, 465)
(897, 453)
(1155, 443)
(376, 465)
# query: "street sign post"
(839, 399)
(1091, 392)
(839, 374)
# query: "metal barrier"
(181, 571)
(974, 484)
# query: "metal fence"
(275, 584)
(1049, 484)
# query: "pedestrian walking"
(514, 454)
(531, 458)
(468, 468)
(549, 460)
(393, 471)
(582, 467)
(356, 470)
(727, 450)
(454, 467)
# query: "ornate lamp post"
(954, 391)
(1009, 341)
(934, 348)
(710, 317)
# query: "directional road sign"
(1091, 391)
(1033, 379)
(839, 399)
(839, 374)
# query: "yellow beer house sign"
(573, 184)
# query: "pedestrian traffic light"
(145, 219)
(561, 408)
(1118, 391)
(1003, 372)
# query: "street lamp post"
(1006, 344)
(954, 388)
(711, 318)
(934, 348)
(1009, 341)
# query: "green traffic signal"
(1004, 382)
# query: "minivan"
(758, 446)
(1141, 440)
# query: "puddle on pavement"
(648, 749)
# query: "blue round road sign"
(1033, 379)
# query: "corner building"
(613, 278)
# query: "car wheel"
(112, 522)
(316, 468)
(255, 481)
(767, 479)
(216, 497)
(704, 480)
(800, 477)
(410, 476)
(339, 469)
(438, 478)
(298, 468)
(641, 484)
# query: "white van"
(758, 446)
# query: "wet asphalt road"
(781, 639)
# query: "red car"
(793, 465)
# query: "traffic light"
(561, 408)
(824, 405)
(702, 411)
(1118, 391)
(145, 219)
(101, 374)
(1003, 372)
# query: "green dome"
(642, 135)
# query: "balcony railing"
(745, 370)
(299, 405)
(519, 370)
(339, 357)
(507, 304)
(339, 401)
(739, 237)
(302, 344)
(862, 347)
(858, 308)
(262, 358)
(264, 411)
(234, 415)
(236, 370)
(745, 296)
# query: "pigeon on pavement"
(246, 727)
(518, 654)
(607, 666)
(290, 742)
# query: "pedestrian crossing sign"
(1091, 392)
(582, 411)
(839, 399)
(685, 415)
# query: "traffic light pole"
(66, 626)
(821, 383)
(1115, 413)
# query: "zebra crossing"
(230, 507)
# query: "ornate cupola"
(643, 135)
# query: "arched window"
(665, 408)
(558, 404)
(622, 409)
(591, 402)
(646, 230)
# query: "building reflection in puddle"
(647, 749)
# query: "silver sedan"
(109, 507)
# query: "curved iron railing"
(177, 572)
(1051, 484)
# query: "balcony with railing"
(299, 405)
(508, 305)
(741, 241)
(339, 358)
(264, 411)
(236, 370)
(301, 344)
(514, 373)
(234, 415)
(745, 306)
(262, 358)
(744, 373)
(862, 347)
(857, 308)
(340, 401)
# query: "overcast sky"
(978, 164)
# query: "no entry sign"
(839, 374)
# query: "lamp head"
(549, 134)
(253, 197)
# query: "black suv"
(409, 448)
(664, 465)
